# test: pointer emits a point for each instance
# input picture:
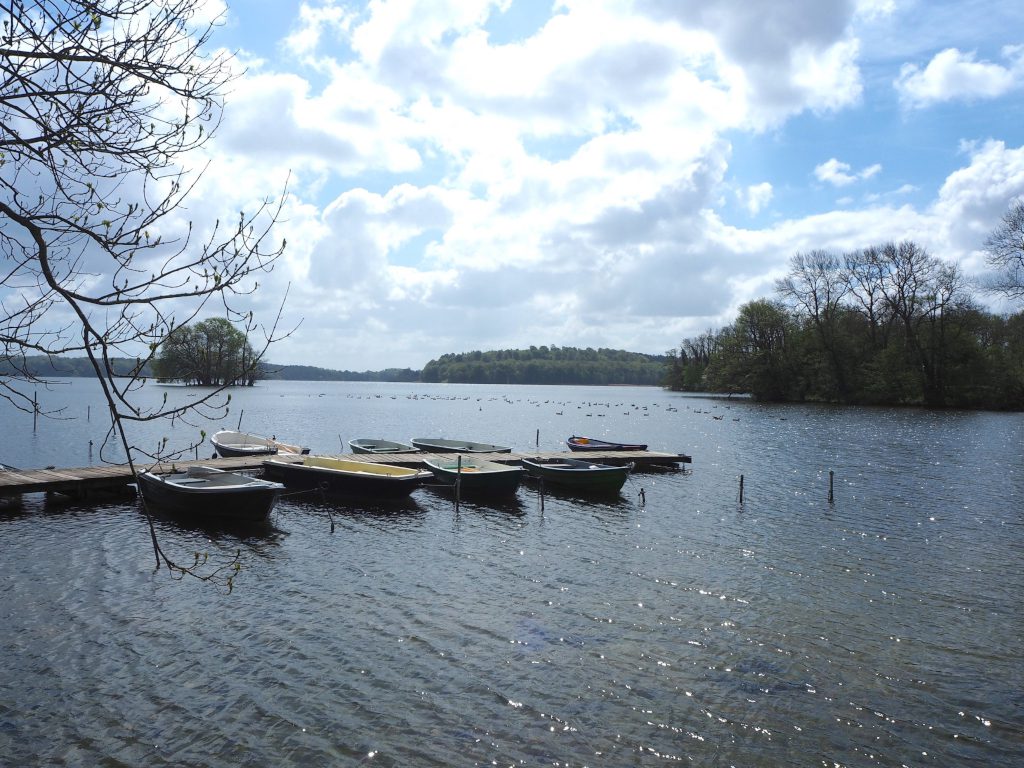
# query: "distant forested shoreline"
(536, 365)
(548, 365)
(43, 366)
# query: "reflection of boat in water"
(205, 493)
(231, 444)
(578, 475)
(477, 477)
(391, 512)
(505, 505)
(378, 445)
(346, 477)
(217, 527)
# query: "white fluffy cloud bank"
(476, 175)
(954, 75)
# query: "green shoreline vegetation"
(889, 325)
(536, 365)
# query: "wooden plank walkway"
(639, 458)
(83, 482)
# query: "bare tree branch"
(1004, 253)
(101, 104)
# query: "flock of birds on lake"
(591, 406)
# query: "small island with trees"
(886, 325)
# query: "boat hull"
(230, 445)
(583, 444)
(346, 478)
(478, 478)
(578, 476)
(252, 502)
(233, 452)
(442, 445)
(367, 445)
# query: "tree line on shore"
(889, 324)
(215, 353)
(548, 365)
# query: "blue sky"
(481, 174)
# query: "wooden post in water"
(741, 489)
(538, 439)
(35, 410)
(458, 482)
(240, 415)
(831, 474)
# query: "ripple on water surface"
(879, 629)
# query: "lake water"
(881, 629)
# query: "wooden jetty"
(84, 482)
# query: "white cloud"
(873, 10)
(756, 196)
(208, 12)
(352, 126)
(531, 184)
(973, 198)
(838, 174)
(397, 28)
(572, 187)
(313, 23)
(956, 75)
(790, 56)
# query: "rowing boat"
(231, 444)
(593, 444)
(346, 477)
(377, 445)
(203, 493)
(475, 476)
(442, 445)
(578, 475)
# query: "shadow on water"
(612, 510)
(662, 469)
(547, 496)
(632, 495)
(508, 505)
(12, 507)
(56, 504)
(324, 505)
(215, 528)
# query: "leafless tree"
(815, 287)
(1004, 253)
(924, 296)
(102, 105)
(866, 272)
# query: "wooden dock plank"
(112, 478)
